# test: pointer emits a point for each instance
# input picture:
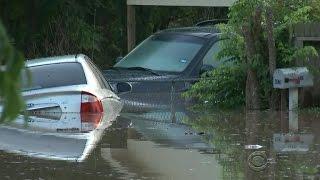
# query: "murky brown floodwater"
(216, 145)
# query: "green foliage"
(11, 62)
(232, 44)
(241, 12)
(222, 87)
(43, 28)
(301, 54)
(315, 15)
(286, 15)
(67, 36)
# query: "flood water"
(200, 145)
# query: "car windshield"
(53, 75)
(171, 53)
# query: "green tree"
(11, 63)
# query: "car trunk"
(53, 100)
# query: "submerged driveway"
(202, 145)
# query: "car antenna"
(211, 22)
(94, 28)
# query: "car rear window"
(53, 75)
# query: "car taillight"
(90, 103)
(91, 111)
(90, 121)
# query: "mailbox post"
(292, 79)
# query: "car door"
(210, 60)
(207, 62)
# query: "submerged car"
(165, 65)
(68, 105)
(66, 84)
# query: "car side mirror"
(119, 59)
(206, 68)
(123, 87)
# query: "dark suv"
(163, 66)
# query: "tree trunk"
(257, 28)
(272, 54)
(252, 95)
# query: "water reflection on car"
(69, 138)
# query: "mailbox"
(292, 142)
(292, 78)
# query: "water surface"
(197, 145)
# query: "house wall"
(308, 34)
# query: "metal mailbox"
(292, 78)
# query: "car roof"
(197, 31)
(53, 60)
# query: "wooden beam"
(131, 27)
(306, 30)
(308, 39)
(196, 3)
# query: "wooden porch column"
(131, 27)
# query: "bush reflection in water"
(289, 154)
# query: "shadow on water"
(149, 145)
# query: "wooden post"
(131, 27)
(293, 106)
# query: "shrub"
(223, 87)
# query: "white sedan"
(67, 84)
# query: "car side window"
(211, 57)
(105, 83)
(102, 81)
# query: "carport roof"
(199, 3)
